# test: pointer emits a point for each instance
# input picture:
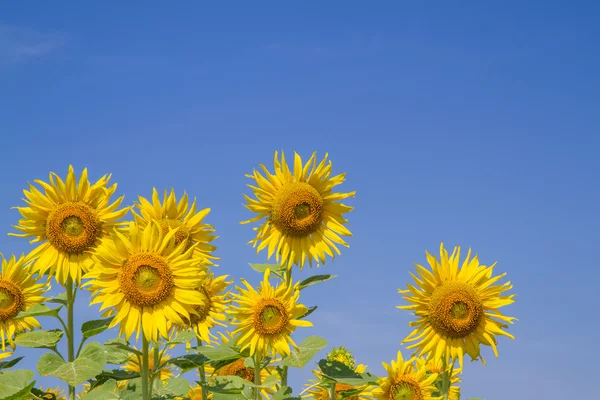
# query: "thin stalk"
(155, 372)
(284, 370)
(332, 391)
(202, 372)
(145, 370)
(70, 331)
(257, 360)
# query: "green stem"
(145, 370)
(332, 391)
(155, 373)
(70, 331)
(257, 360)
(202, 372)
(284, 370)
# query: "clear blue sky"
(471, 123)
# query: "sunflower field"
(183, 330)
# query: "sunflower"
(173, 214)
(57, 393)
(212, 309)
(19, 290)
(266, 318)
(457, 309)
(436, 367)
(69, 218)
(133, 365)
(146, 278)
(405, 382)
(302, 217)
(195, 393)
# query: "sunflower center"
(146, 279)
(11, 300)
(237, 368)
(455, 309)
(405, 390)
(202, 309)
(271, 317)
(182, 234)
(297, 209)
(73, 227)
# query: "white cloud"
(19, 43)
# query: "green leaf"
(341, 373)
(39, 310)
(268, 382)
(306, 351)
(16, 384)
(307, 313)
(229, 388)
(115, 355)
(174, 387)
(39, 339)
(183, 337)
(123, 346)
(276, 269)
(220, 353)
(285, 393)
(189, 361)
(106, 391)
(90, 363)
(9, 364)
(115, 375)
(95, 327)
(313, 280)
(60, 299)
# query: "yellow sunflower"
(404, 381)
(56, 392)
(172, 214)
(436, 367)
(302, 216)
(133, 365)
(457, 309)
(19, 290)
(148, 280)
(211, 311)
(266, 318)
(195, 393)
(68, 219)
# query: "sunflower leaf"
(39, 339)
(59, 299)
(174, 387)
(189, 361)
(114, 354)
(225, 384)
(269, 382)
(106, 391)
(277, 269)
(114, 375)
(87, 365)
(221, 353)
(95, 327)
(341, 373)
(182, 337)
(123, 346)
(16, 385)
(307, 349)
(39, 310)
(308, 312)
(313, 280)
(285, 393)
(10, 364)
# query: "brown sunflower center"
(237, 368)
(202, 309)
(271, 317)
(182, 234)
(73, 227)
(146, 279)
(405, 389)
(455, 309)
(297, 209)
(11, 300)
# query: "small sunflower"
(436, 367)
(266, 318)
(180, 215)
(133, 365)
(343, 355)
(69, 219)
(211, 311)
(457, 309)
(302, 216)
(404, 381)
(57, 393)
(147, 281)
(195, 393)
(19, 290)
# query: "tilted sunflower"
(303, 218)
(437, 367)
(133, 365)
(180, 215)
(266, 318)
(457, 309)
(240, 368)
(19, 290)
(53, 394)
(69, 219)
(146, 281)
(211, 311)
(404, 381)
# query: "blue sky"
(471, 123)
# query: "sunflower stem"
(284, 369)
(257, 360)
(202, 372)
(144, 371)
(445, 379)
(70, 331)
(332, 391)
(155, 372)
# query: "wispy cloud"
(19, 43)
